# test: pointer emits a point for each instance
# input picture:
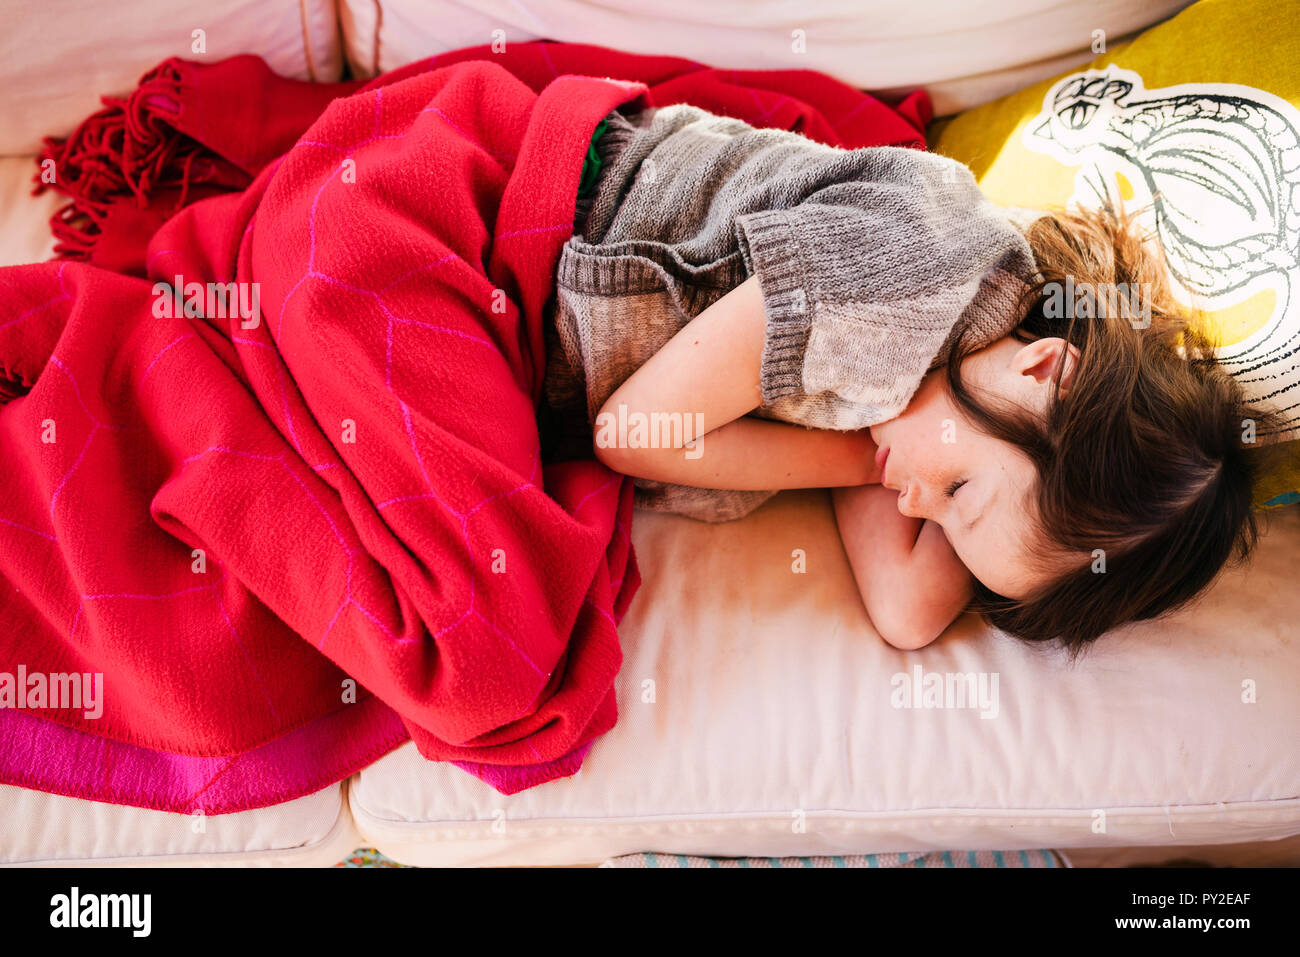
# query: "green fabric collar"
(591, 165)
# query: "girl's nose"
(910, 501)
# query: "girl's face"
(976, 487)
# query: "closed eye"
(952, 489)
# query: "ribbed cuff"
(768, 246)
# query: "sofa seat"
(757, 716)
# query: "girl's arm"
(750, 453)
(912, 582)
(708, 373)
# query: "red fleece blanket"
(271, 456)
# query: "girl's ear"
(1042, 359)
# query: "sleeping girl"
(786, 314)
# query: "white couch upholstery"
(756, 717)
(756, 708)
(964, 53)
(55, 69)
(315, 830)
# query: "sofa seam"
(306, 42)
(934, 817)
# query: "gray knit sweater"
(870, 261)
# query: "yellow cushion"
(1200, 114)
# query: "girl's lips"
(881, 455)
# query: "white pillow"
(57, 56)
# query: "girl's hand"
(912, 583)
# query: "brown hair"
(1145, 456)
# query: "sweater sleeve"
(868, 281)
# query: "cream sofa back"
(58, 56)
(964, 53)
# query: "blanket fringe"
(131, 147)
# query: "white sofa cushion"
(772, 710)
(57, 57)
(49, 829)
(964, 53)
